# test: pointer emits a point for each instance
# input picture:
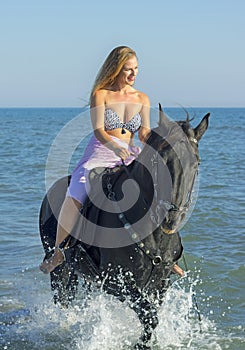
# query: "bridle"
(165, 205)
(155, 214)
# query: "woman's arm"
(145, 128)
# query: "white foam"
(103, 322)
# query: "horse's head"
(177, 145)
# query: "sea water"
(213, 241)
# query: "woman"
(117, 112)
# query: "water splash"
(179, 326)
(100, 321)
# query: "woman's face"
(129, 71)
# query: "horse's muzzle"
(172, 221)
(167, 231)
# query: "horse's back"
(49, 211)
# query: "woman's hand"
(121, 152)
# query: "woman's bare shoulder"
(144, 98)
(99, 97)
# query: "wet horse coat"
(127, 237)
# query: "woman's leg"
(68, 216)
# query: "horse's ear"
(202, 127)
(163, 119)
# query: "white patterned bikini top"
(112, 121)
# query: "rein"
(164, 204)
(155, 215)
(154, 256)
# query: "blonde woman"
(117, 112)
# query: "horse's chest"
(127, 259)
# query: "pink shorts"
(96, 155)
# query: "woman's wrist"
(112, 145)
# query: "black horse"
(126, 241)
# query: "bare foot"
(176, 269)
(48, 265)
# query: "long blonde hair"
(111, 68)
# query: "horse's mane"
(161, 137)
(185, 126)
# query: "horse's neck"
(142, 176)
(155, 174)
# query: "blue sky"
(190, 52)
